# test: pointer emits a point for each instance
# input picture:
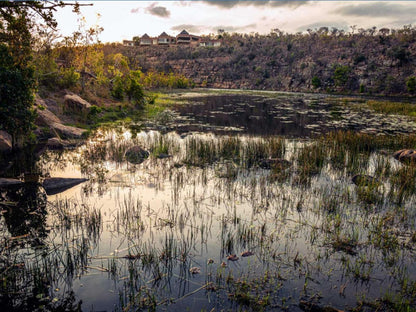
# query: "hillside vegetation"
(369, 61)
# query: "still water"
(203, 225)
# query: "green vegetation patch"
(393, 108)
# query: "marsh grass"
(393, 108)
(304, 223)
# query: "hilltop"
(381, 62)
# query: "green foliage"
(152, 80)
(17, 75)
(341, 75)
(316, 82)
(411, 84)
(133, 88)
(117, 89)
(390, 108)
(129, 86)
(68, 77)
(17, 85)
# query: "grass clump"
(393, 108)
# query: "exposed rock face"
(75, 104)
(379, 64)
(405, 155)
(136, 155)
(5, 141)
(48, 119)
(57, 185)
(67, 131)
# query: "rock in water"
(57, 185)
(232, 257)
(405, 155)
(136, 155)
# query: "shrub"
(316, 82)
(411, 84)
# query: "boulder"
(405, 155)
(136, 155)
(5, 141)
(68, 132)
(46, 117)
(57, 185)
(75, 104)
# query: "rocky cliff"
(372, 62)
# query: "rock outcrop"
(75, 104)
(48, 119)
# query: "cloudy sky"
(125, 19)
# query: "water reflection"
(293, 115)
(226, 222)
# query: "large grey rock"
(67, 132)
(75, 104)
(46, 118)
(5, 141)
(136, 155)
(57, 185)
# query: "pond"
(222, 215)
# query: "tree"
(17, 79)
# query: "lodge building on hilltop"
(165, 40)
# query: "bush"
(341, 75)
(316, 82)
(411, 84)
(69, 77)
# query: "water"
(130, 237)
(294, 115)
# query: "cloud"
(156, 10)
(190, 28)
(234, 28)
(377, 9)
(198, 29)
(273, 3)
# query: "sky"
(125, 19)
